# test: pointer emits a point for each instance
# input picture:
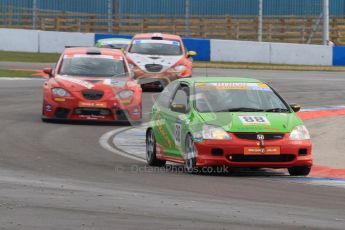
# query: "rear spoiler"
(91, 50)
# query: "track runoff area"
(329, 173)
(73, 176)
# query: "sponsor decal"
(149, 41)
(160, 126)
(178, 132)
(82, 104)
(269, 150)
(49, 108)
(233, 86)
(88, 56)
(91, 117)
(254, 120)
(77, 81)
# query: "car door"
(175, 119)
(159, 112)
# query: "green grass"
(28, 57)
(15, 73)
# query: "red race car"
(157, 59)
(91, 84)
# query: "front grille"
(153, 68)
(93, 112)
(253, 136)
(92, 94)
(261, 158)
(61, 113)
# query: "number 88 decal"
(254, 119)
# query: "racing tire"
(190, 156)
(299, 171)
(151, 157)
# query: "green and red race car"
(224, 121)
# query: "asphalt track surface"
(57, 176)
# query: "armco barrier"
(240, 51)
(339, 55)
(214, 50)
(19, 40)
(299, 54)
(201, 46)
(272, 53)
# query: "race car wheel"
(299, 171)
(190, 155)
(151, 150)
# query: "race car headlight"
(180, 68)
(60, 92)
(300, 133)
(211, 132)
(124, 94)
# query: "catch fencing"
(293, 21)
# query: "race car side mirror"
(295, 107)
(179, 108)
(48, 71)
(191, 54)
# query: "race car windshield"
(237, 97)
(156, 47)
(93, 66)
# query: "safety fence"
(287, 29)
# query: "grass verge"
(28, 57)
(15, 73)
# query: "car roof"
(114, 40)
(164, 36)
(85, 50)
(220, 79)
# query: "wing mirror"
(191, 54)
(48, 71)
(179, 108)
(295, 107)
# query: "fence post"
(110, 16)
(187, 17)
(325, 22)
(260, 20)
(34, 14)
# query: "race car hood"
(167, 61)
(77, 84)
(239, 122)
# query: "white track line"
(104, 142)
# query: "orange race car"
(91, 84)
(157, 59)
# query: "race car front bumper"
(232, 153)
(70, 109)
